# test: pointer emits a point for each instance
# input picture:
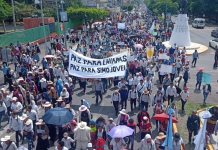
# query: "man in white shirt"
(115, 99)
(117, 143)
(184, 97)
(148, 84)
(132, 96)
(67, 140)
(171, 93)
(32, 114)
(15, 124)
(7, 144)
(122, 83)
(140, 89)
(16, 106)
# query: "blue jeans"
(205, 94)
(2, 114)
(29, 138)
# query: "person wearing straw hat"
(42, 132)
(28, 131)
(116, 100)
(122, 118)
(84, 114)
(47, 106)
(60, 102)
(159, 140)
(82, 136)
(68, 141)
(7, 144)
(147, 143)
(16, 106)
(15, 124)
(145, 100)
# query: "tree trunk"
(3, 22)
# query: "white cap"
(89, 145)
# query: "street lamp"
(13, 11)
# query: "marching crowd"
(36, 85)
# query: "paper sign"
(163, 56)
(166, 68)
(121, 25)
(206, 78)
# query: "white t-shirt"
(67, 142)
(184, 95)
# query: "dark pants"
(172, 76)
(132, 102)
(170, 99)
(194, 61)
(98, 94)
(198, 84)
(29, 137)
(17, 135)
(190, 134)
(144, 105)
(183, 104)
(116, 106)
(161, 77)
(123, 104)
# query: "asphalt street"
(106, 109)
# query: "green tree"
(23, 10)
(90, 14)
(5, 12)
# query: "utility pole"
(65, 39)
(13, 11)
(43, 24)
(57, 12)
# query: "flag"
(168, 143)
(200, 138)
(151, 30)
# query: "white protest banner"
(121, 25)
(166, 68)
(163, 56)
(85, 67)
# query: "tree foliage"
(163, 6)
(23, 10)
(92, 14)
(5, 10)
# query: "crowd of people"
(37, 85)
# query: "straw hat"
(40, 122)
(145, 118)
(6, 138)
(111, 119)
(146, 91)
(147, 136)
(23, 117)
(50, 83)
(123, 111)
(82, 108)
(161, 136)
(47, 104)
(43, 80)
(82, 125)
(60, 99)
(68, 106)
(28, 122)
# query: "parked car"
(214, 33)
(214, 43)
(198, 23)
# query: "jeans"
(2, 115)
(144, 105)
(98, 94)
(123, 104)
(183, 104)
(116, 106)
(198, 84)
(194, 61)
(17, 134)
(29, 137)
(205, 94)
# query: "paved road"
(105, 109)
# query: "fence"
(34, 34)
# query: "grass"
(182, 117)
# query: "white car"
(214, 43)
